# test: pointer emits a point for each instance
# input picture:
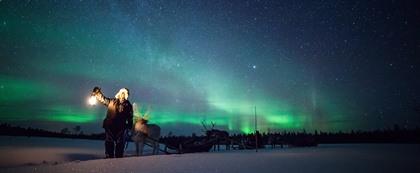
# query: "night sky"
(326, 65)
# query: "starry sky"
(325, 65)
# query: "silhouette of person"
(119, 118)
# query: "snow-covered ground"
(22, 154)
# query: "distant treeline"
(394, 135)
(8, 130)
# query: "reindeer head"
(205, 127)
(140, 117)
(214, 132)
(143, 121)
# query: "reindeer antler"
(148, 110)
(146, 114)
(212, 125)
(204, 125)
(136, 111)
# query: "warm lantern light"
(92, 100)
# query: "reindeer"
(219, 135)
(145, 133)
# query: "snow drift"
(20, 154)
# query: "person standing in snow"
(119, 118)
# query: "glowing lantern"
(92, 100)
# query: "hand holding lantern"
(92, 100)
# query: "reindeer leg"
(157, 148)
(141, 147)
(137, 148)
(154, 147)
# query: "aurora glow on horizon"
(332, 65)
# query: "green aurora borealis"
(187, 62)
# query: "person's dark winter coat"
(119, 118)
(119, 115)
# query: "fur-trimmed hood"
(122, 90)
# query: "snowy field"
(23, 154)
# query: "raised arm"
(100, 97)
